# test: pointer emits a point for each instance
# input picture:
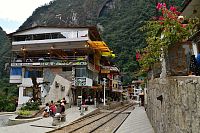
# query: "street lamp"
(81, 101)
(104, 91)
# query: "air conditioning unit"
(56, 84)
(62, 88)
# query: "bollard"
(95, 102)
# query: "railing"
(50, 61)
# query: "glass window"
(33, 72)
(81, 72)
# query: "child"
(46, 111)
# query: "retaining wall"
(179, 111)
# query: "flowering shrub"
(163, 31)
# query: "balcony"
(47, 61)
(82, 81)
(47, 38)
(15, 79)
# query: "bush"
(24, 112)
(10, 107)
(30, 106)
(7, 103)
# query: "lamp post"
(104, 91)
(81, 101)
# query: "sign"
(111, 68)
(49, 64)
(105, 71)
(80, 82)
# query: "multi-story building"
(137, 89)
(65, 61)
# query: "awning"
(102, 47)
(111, 68)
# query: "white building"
(64, 60)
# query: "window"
(16, 71)
(28, 91)
(43, 36)
(81, 72)
(33, 72)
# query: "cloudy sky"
(14, 12)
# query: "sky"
(14, 12)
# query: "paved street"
(137, 122)
(46, 123)
(4, 119)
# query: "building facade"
(51, 62)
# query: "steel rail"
(127, 106)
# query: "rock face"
(69, 12)
(179, 112)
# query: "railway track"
(100, 122)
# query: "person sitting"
(46, 111)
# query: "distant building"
(137, 89)
(66, 62)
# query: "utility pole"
(104, 91)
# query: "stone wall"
(179, 112)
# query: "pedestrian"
(16, 104)
(64, 101)
(62, 108)
(52, 109)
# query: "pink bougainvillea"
(163, 31)
(170, 13)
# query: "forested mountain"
(118, 21)
(5, 48)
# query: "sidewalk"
(45, 124)
(137, 122)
